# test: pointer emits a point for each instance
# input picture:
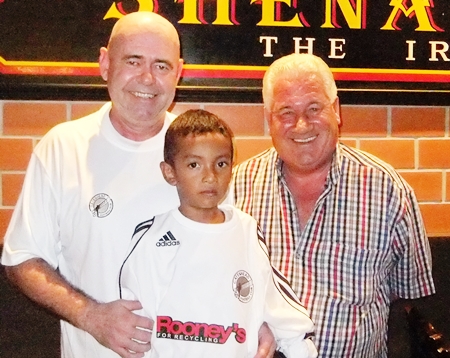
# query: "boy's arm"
(283, 312)
(288, 319)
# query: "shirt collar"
(336, 165)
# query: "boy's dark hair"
(195, 122)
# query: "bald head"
(144, 22)
(141, 66)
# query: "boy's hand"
(266, 342)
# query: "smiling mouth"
(143, 95)
(306, 140)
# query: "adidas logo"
(168, 240)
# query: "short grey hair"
(295, 66)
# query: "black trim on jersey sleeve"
(281, 282)
(142, 228)
(145, 225)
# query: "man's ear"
(103, 62)
(268, 117)
(168, 173)
(266, 114)
(180, 69)
(337, 110)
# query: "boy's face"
(201, 172)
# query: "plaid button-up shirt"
(364, 242)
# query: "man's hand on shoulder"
(116, 327)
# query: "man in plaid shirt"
(341, 225)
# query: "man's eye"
(162, 67)
(222, 164)
(314, 110)
(192, 165)
(286, 115)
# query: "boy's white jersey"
(210, 287)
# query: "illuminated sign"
(229, 43)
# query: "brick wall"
(415, 140)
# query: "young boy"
(202, 271)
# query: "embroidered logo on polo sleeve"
(243, 286)
(101, 205)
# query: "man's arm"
(112, 324)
